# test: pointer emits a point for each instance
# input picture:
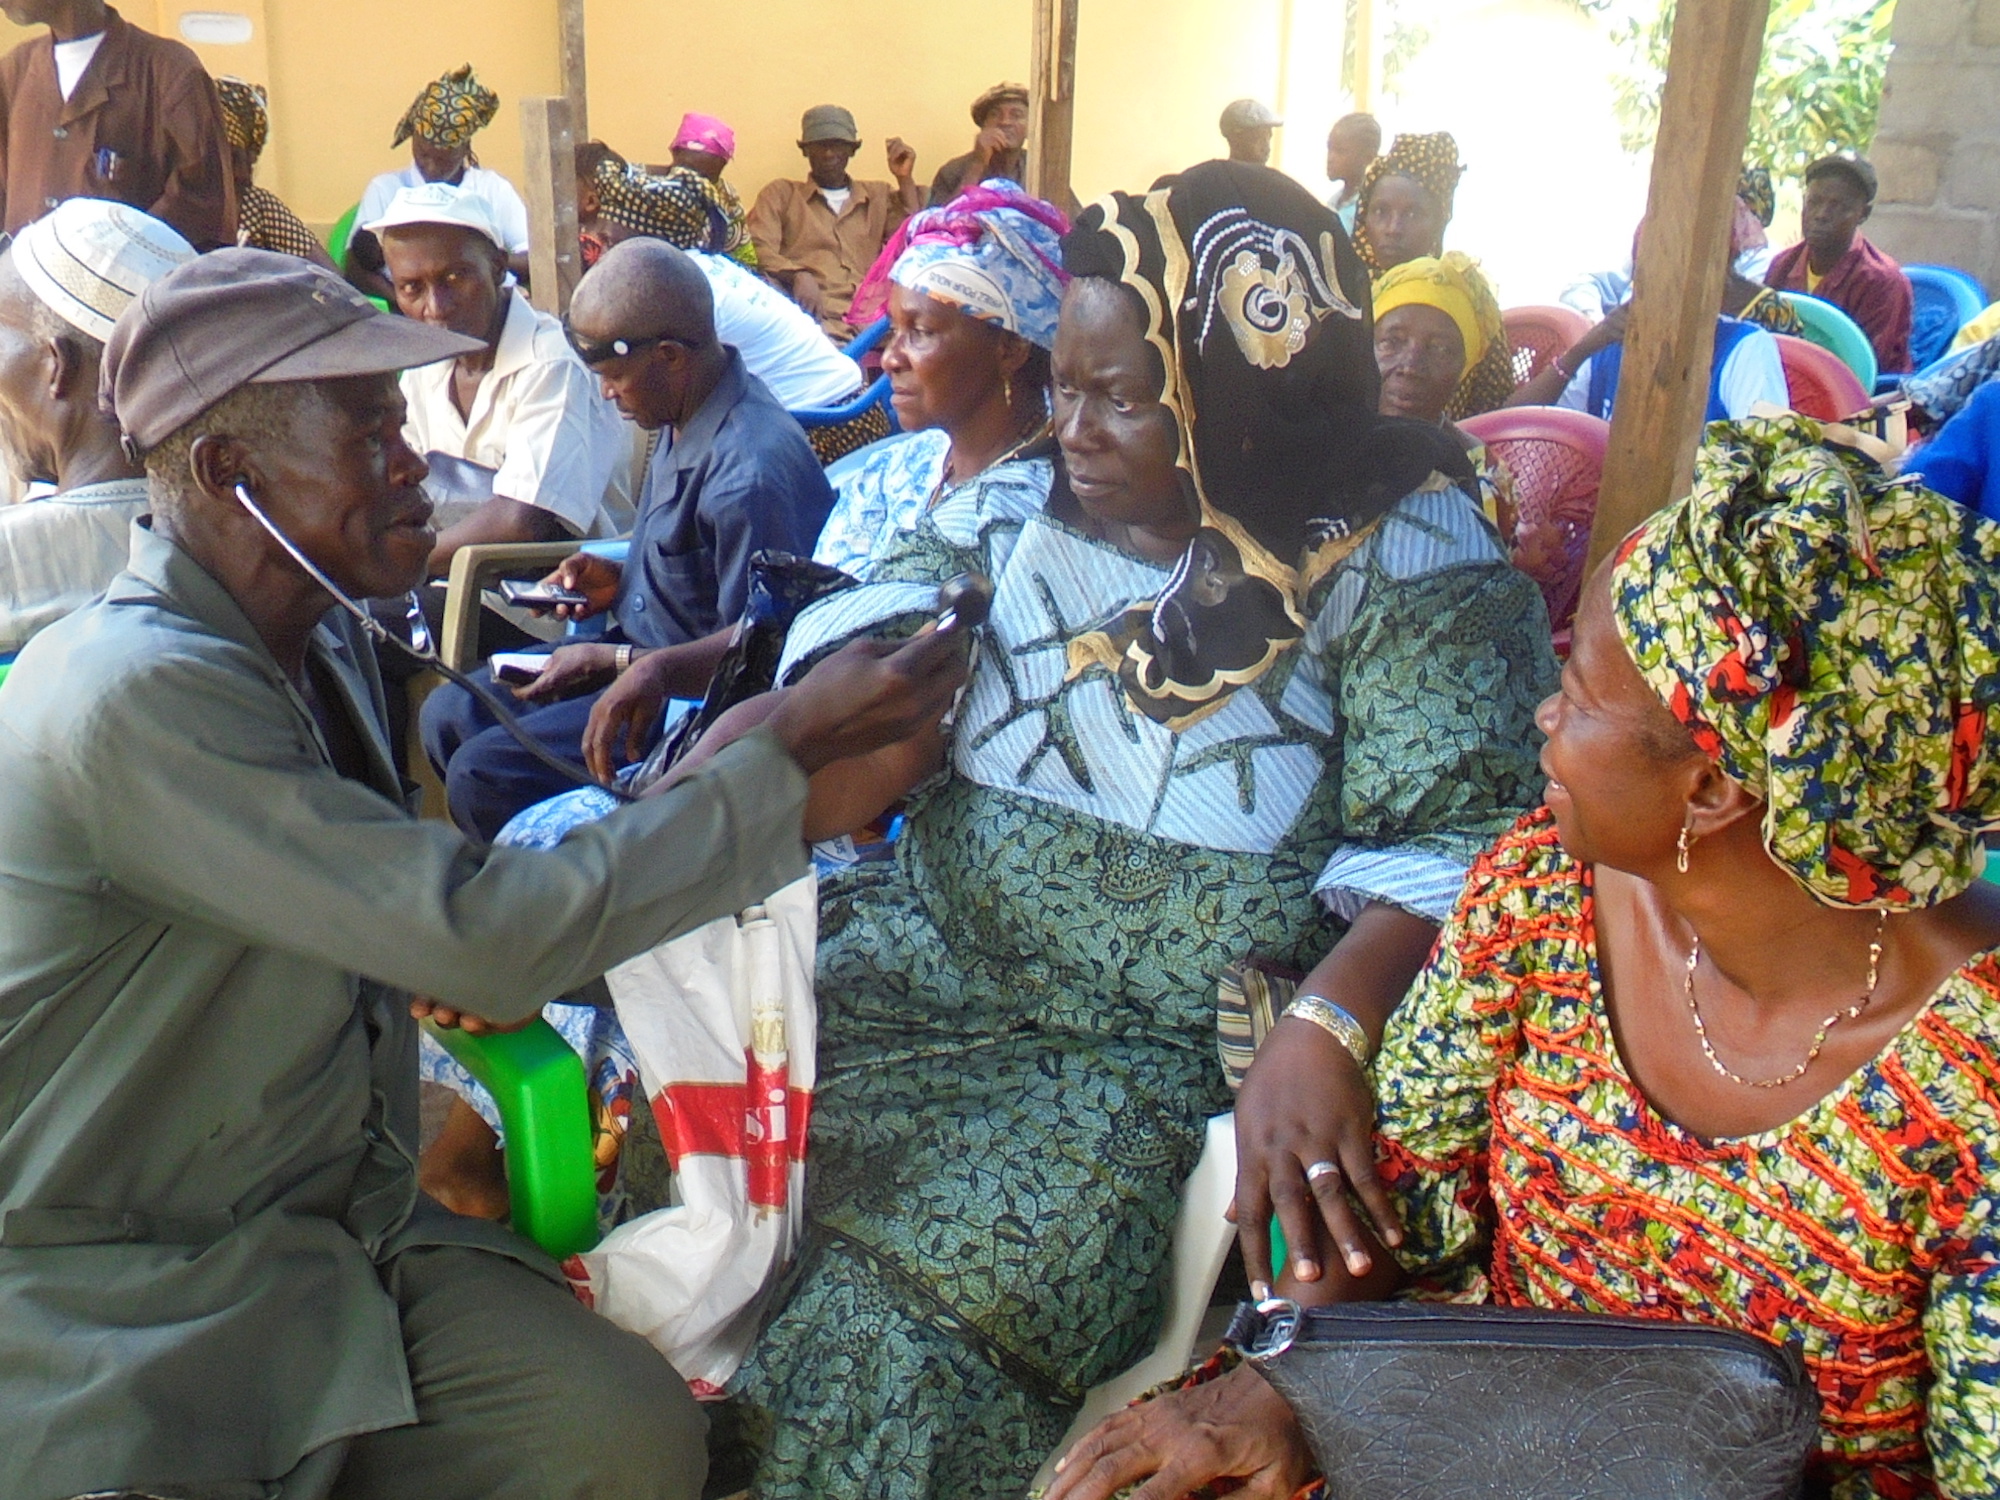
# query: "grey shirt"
(58, 552)
(207, 1071)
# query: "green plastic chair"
(337, 240)
(1830, 328)
(537, 1080)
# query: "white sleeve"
(1753, 372)
(375, 198)
(564, 441)
(509, 212)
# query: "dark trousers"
(487, 776)
(522, 1394)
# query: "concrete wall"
(1937, 146)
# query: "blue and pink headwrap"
(993, 252)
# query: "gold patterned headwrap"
(1254, 303)
(246, 121)
(1831, 639)
(450, 111)
(1430, 161)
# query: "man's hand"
(807, 292)
(597, 578)
(624, 718)
(902, 159)
(424, 1007)
(993, 141)
(1233, 1428)
(870, 694)
(570, 672)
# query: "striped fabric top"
(1530, 1170)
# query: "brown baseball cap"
(237, 317)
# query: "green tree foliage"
(1818, 90)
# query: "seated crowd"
(1657, 981)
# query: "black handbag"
(1429, 1401)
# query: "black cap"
(1853, 168)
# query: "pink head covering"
(706, 133)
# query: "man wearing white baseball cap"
(522, 445)
(63, 282)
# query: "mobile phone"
(538, 595)
(516, 667)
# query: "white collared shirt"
(57, 553)
(510, 214)
(538, 422)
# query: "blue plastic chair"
(1946, 300)
(865, 341)
(1831, 328)
(832, 416)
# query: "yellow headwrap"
(450, 110)
(1452, 284)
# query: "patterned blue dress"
(1017, 1023)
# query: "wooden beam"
(569, 16)
(548, 142)
(1052, 100)
(1677, 285)
(1363, 18)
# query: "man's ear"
(66, 370)
(218, 464)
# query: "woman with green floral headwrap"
(1715, 1034)
(439, 125)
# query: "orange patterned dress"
(1530, 1170)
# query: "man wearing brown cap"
(999, 150)
(818, 237)
(217, 1277)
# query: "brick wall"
(1937, 145)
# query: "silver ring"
(1321, 1169)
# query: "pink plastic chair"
(1556, 459)
(1539, 334)
(1819, 380)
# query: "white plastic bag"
(723, 1024)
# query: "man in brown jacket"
(817, 238)
(100, 109)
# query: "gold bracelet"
(621, 658)
(1335, 1022)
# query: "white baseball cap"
(88, 258)
(439, 203)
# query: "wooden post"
(548, 142)
(1364, 54)
(1677, 285)
(1052, 100)
(569, 16)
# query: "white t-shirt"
(509, 212)
(1753, 372)
(72, 58)
(538, 422)
(781, 343)
(836, 198)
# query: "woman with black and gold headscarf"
(1257, 681)
(263, 222)
(1405, 204)
(439, 126)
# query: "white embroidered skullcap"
(88, 258)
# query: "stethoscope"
(421, 648)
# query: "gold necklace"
(1849, 1013)
(945, 482)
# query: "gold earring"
(1682, 846)
(1007, 389)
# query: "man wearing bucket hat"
(522, 446)
(818, 237)
(217, 1277)
(63, 283)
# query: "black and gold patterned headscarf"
(1257, 308)
(679, 206)
(1430, 161)
(450, 111)
(246, 120)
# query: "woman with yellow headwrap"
(1435, 321)
(263, 222)
(1715, 1035)
(439, 125)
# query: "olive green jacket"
(208, 1095)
